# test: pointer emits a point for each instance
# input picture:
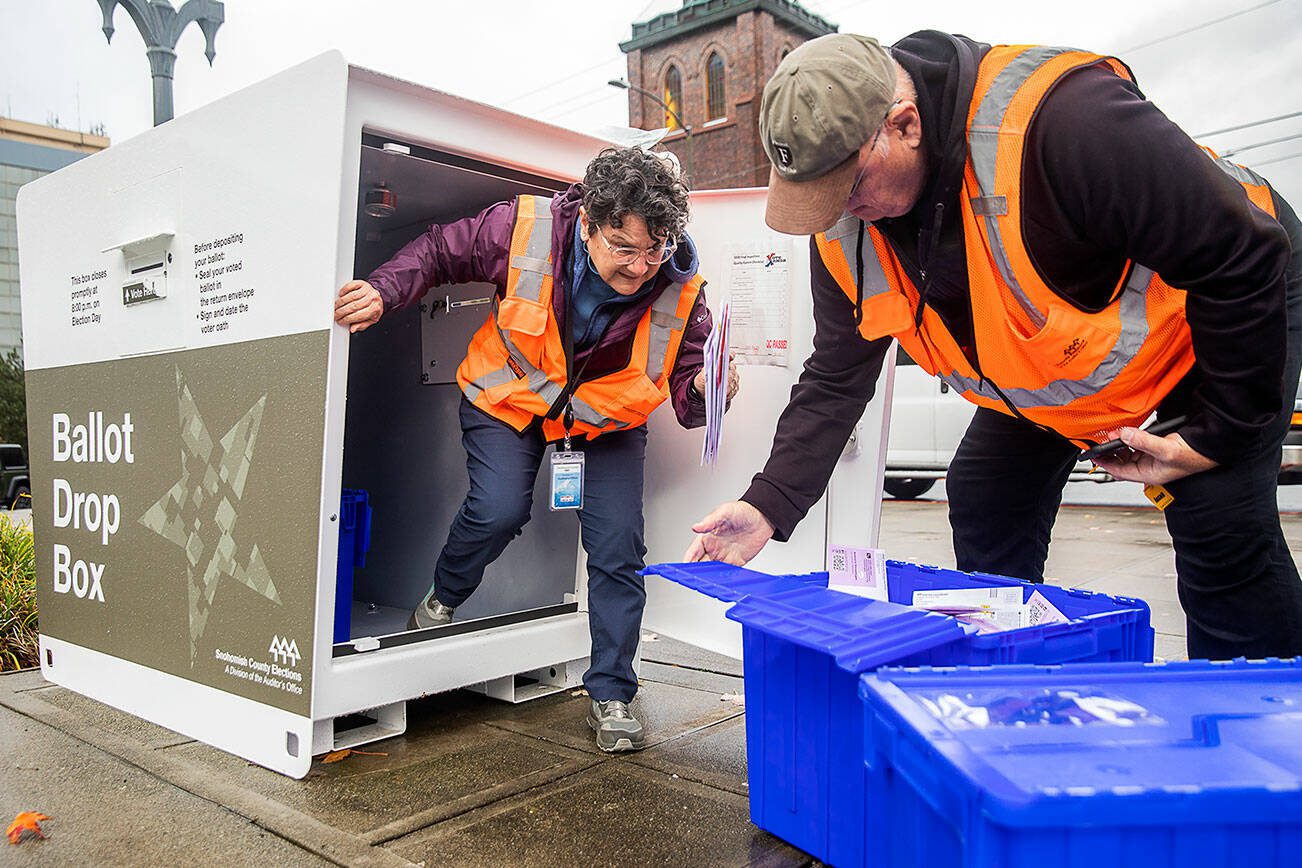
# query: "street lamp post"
(161, 25)
(687, 130)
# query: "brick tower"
(709, 60)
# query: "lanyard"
(567, 344)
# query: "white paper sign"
(857, 571)
(759, 284)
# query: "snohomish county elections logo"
(284, 651)
(198, 513)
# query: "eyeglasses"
(872, 144)
(628, 255)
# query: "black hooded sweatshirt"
(1107, 178)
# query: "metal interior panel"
(402, 441)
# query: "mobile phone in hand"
(1109, 447)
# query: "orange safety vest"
(515, 367)
(1079, 373)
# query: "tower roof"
(695, 14)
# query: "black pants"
(1236, 578)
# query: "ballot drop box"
(198, 424)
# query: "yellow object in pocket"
(1159, 495)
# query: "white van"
(928, 419)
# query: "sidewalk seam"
(280, 820)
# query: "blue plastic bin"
(805, 646)
(1184, 764)
(354, 542)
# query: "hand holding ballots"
(720, 385)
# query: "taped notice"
(759, 285)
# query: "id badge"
(567, 480)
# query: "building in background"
(28, 151)
(708, 62)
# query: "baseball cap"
(823, 102)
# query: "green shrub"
(18, 644)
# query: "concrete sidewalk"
(474, 781)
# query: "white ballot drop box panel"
(176, 343)
(195, 415)
(764, 278)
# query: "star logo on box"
(200, 511)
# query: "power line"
(737, 174)
(572, 97)
(1196, 27)
(645, 9)
(1229, 152)
(521, 96)
(581, 106)
(1249, 124)
(1277, 159)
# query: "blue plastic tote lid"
(728, 583)
(859, 633)
(1122, 743)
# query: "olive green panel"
(185, 538)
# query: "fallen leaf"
(26, 821)
(336, 755)
(579, 692)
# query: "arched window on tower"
(715, 72)
(673, 97)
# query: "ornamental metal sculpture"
(161, 26)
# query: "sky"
(1209, 64)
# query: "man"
(599, 317)
(1036, 233)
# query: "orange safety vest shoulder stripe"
(515, 368)
(1078, 373)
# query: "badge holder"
(567, 473)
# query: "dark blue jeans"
(1236, 578)
(503, 466)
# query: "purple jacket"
(477, 249)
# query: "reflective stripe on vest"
(535, 267)
(538, 382)
(844, 238)
(983, 144)
(664, 322)
(1016, 306)
(535, 263)
(1062, 392)
(583, 412)
(522, 326)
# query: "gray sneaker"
(430, 613)
(617, 729)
